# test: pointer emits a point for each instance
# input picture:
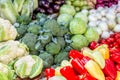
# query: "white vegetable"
(111, 32)
(100, 9)
(92, 24)
(85, 11)
(92, 11)
(111, 24)
(105, 35)
(103, 25)
(92, 17)
(104, 19)
(98, 15)
(117, 28)
(110, 15)
(118, 19)
(103, 12)
(98, 29)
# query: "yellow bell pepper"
(65, 63)
(57, 71)
(118, 75)
(103, 49)
(93, 69)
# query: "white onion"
(110, 16)
(117, 28)
(103, 25)
(92, 24)
(85, 11)
(105, 35)
(111, 24)
(98, 29)
(92, 17)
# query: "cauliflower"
(28, 66)
(7, 30)
(5, 72)
(11, 50)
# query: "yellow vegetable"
(118, 75)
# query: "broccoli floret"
(45, 37)
(52, 26)
(47, 58)
(30, 40)
(62, 31)
(34, 28)
(60, 57)
(21, 29)
(61, 41)
(53, 48)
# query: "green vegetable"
(23, 19)
(62, 31)
(34, 29)
(79, 41)
(64, 19)
(28, 66)
(67, 9)
(27, 8)
(46, 37)
(8, 11)
(35, 3)
(21, 29)
(77, 3)
(11, 50)
(18, 4)
(30, 40)
(53, 48)
(5, 72)
(47, 59)
(60, 57)
(92, 35)
(61, 41)
(52, 25)
(77, 26)
(82, 16)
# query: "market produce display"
(59, 40)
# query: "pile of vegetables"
(48, 6)
(96, 64)
(103, 3)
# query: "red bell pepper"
(118, 67)
(69, 73)
(78, 64)
(93, 45)
(49, 73)
(108, 78)
(86, 76)
(75, 54)
(116, 57)
(109, 69)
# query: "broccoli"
(21, 29)
(61, 41)
(46, 37)
(52, 26)
(60, 57)
(53, 48)
(30, 40)
(34, 28)
(47, 58)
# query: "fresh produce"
(7, 30)
(28, 66)
(11, 50)
(103, 3)
(48, 6)
(12, 9)
(5, 72)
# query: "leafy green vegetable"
(67, 9)
(77, 26)
(79, 41)
(52, 25)
(34, 29)
(8, 11)
(47, 59)
(92, 35)
(60, 57)
(53, 48)
(64, 19)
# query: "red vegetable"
(108, 78)
(69, 73)
(93, 45)
(75, 54)
(118, 67)
(110, 69)
(116, 57)
(49, 73)
(86, 76)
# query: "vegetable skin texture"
(47, 59)
(53, 48)
(11, 50)
(30, 40)
(52, 25)
(7, 30)
(8, 11)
